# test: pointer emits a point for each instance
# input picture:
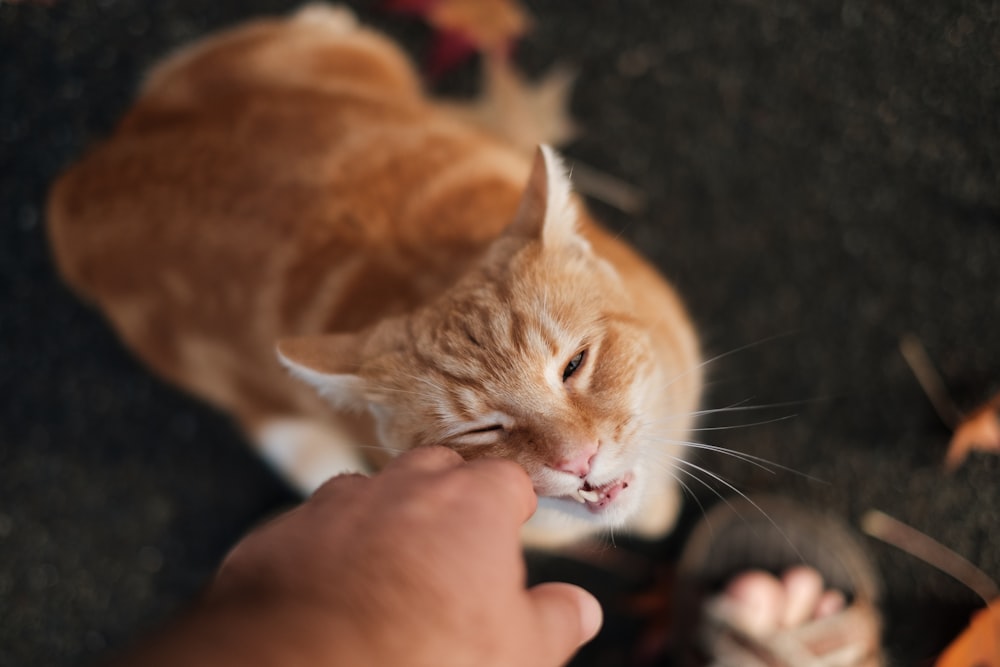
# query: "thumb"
(567, 617)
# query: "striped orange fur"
(288, 181)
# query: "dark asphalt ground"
(822, 178)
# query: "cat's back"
(283, 156)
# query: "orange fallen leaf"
(979, 431)
(463, 27)
(979, 644)
(490, 25)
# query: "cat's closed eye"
(574, 364)
(485, 429)
(486, 434)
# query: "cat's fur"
(288, 180)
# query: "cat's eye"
(574, 364)
(485, 429)
(482, 435)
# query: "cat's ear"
(329, 364)
(546, 212)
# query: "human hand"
(418, 565)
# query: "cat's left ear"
(328, 363)
(546, 212)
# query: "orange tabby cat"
(288, 181)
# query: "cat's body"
(289, 179)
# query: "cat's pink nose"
(578, 464)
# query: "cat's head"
(537, 355)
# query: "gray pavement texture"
(822, 179)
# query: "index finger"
(432, 458)
(506, 484)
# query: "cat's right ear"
(327, 363)
(546, 211)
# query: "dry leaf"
(465, 27)
(523, 113)
(490, 25)
(979, 644)
(978, 431)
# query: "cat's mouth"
(597, 498)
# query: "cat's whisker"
(748, 425)
(746, 458)
(722, 480)
(687, 489)
(718, 357)
(757, 461)
(739, 406)
(675, 460)
(670, 469)
(647, 424)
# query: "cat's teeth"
(577, 497)
(589, 496)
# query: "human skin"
(419, 565)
